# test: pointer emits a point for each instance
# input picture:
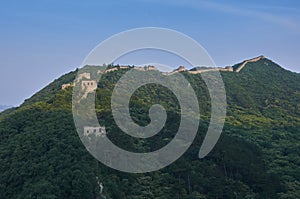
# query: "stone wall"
(248, 61)
(97, 131)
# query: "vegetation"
(257, 155)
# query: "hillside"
(4, 107)
(257, 155)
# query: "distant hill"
(4, 107)
(257, 155)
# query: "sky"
(42, 40)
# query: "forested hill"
(257, 156)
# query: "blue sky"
(41, 40)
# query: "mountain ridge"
(68, 78)
(257, 155)
(195, 70)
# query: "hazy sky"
(41, 40)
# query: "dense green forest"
(257, 156)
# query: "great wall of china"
(249, 61)
(226, 69)
(152, 68)
(183, 69)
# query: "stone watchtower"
(97, 131)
